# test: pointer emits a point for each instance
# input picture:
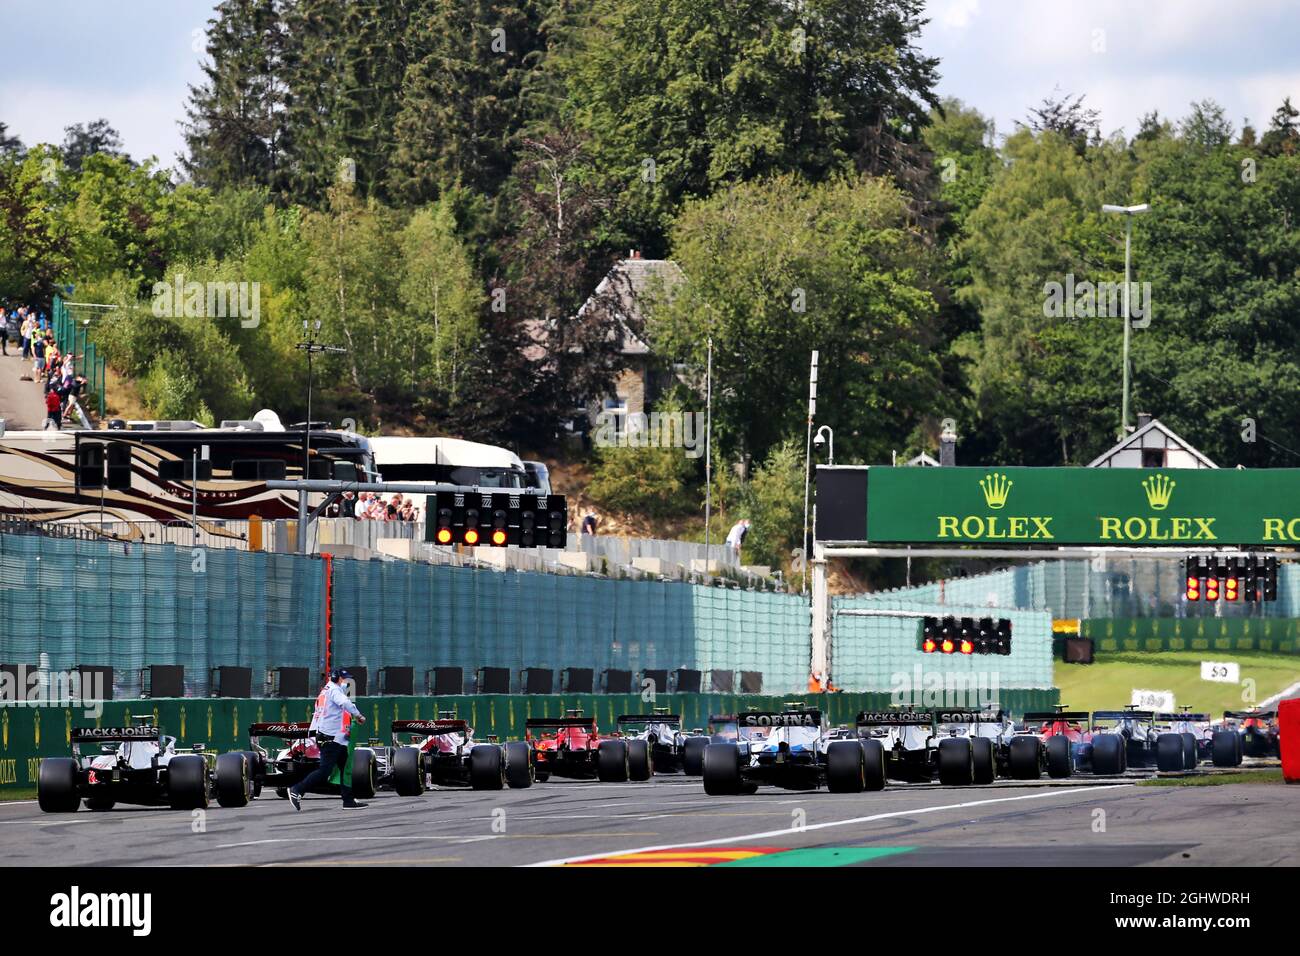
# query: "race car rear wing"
(432, 728)
(553, 723)
(895, 718)
(285, 730)
(1183, 716)
(1123, 715)
(670, 719)
(1248, 714)
(781, 718)
(1033, 717)
(86, 735)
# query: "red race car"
(571, 746)
(1053, 746)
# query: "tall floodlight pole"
(807, 465)
(1128, 212)
(311, 347)
(708, 453)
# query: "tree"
(1068, 119)
(1206, 126)
(682, 98)
(81, 141)
(234, 116)
(777, 268)
(1282, 131)
(11, 145)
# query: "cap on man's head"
(338, 672)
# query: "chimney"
(948, 448)
(1144, 419)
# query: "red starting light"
(498, 537)
(444, 536)
(967, 647)
(1211, 589)
(1193, 589)
(1230, 589)
(947, 646)
(471, 535)
(928, 646)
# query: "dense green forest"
(442, 183)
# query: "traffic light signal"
(512, 517)
(1246, 577)
(1270, 578)
(950, 635)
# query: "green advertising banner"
(1084, 506)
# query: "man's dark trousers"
(332, 755)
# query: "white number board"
(1225, 672)
(1158, 700)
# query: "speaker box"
(751, 682)
(292, 682)
(360, 678)
(232, 682)
(538, 680)
(164, 680)
(494, 680)
(1078, 650)
(579, 680)
(397, 681)
(447, 681)
(688, 681)
(658, 681)
(722, 682)
(618, 682)
(13, 681)
(96, 682)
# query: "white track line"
(1056, 792)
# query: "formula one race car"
(1129, 742)
(959, 747)
(571, 746)
(1051, 746)
(1257, 730)
(443, 752)
(1184, 743)
(291, 764)
(791, 749)
(135, 764)
(656, 744)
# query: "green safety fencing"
(90, 362)
(1279, 635)
(28, 733)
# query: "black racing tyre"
(100, 803)
(1254, 744)
(519, 764)
(1059, 762)
(282, 793)
(693, 756)
(721, 770)
(256, 772)
(640, 760)
(188, 785)
(846, 767)
(364, 773)
(612, 761)
(487, 767)
(408, 772)
(956, 766)
(1189, 751)
(1169, 753)
(1223, 748)
(982, 757)
(1108, 754)
(873, 761)
(1023, 757)
(56, 785)
(233, 787)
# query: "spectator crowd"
(371, 506)
(56, 371)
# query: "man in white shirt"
(330, 722)
(736, 536)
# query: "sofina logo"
(1159, 489)
(996, 487)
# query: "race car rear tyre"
(519, 764)
(1169, 753)
(100, 804)
(612, 761)
(487, 767)
(982, 757)
(1189, 750)
(721, 770)
(1108, 754)
(232, 780)
(1223, 748)
(364, 773)
(1059, 763)
(1022, 757)
(56, 785)
(693, 756)
(188, 786)
(846, 767)
(408, 772)
(956, 767)
(256, 771)
(873, 758)
(1254, 744)
(640, 760)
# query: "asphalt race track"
(671, 821)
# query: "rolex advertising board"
(1043, 507)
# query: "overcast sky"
(131, 61)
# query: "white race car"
(656, 743)
(443, 752)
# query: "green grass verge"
(18, 793)
(1263, 775)
(1108, 684)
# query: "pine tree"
(1282, 131)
